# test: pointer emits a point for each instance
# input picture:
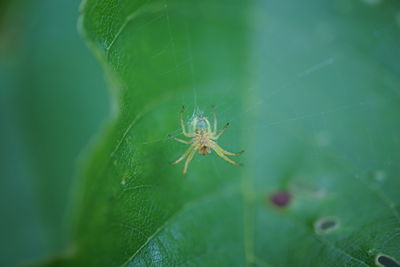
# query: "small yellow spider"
(202, 139)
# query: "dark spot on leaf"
(326, 225)
(280, 199)
(386, 261)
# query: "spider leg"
(215, 121)
(219, 152)
(182, 123)
(221, 131)
(180, 140)
(189, 158)
(227, 152)
(190, 149)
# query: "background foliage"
(52, 101)
(312, 92)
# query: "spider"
(203, 139)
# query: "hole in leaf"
(326, 225)
(386, 261)
(280, 199)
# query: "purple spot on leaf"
(280, 199)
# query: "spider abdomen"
(202, 141)
(204, 150)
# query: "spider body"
(200, 130)
(203, 139)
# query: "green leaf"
(311, 91)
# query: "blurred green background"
(53, 100)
